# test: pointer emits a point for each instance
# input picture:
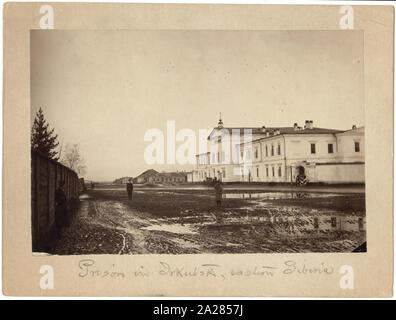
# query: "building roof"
(356, 130)
(282, 131)
(263, 131)
(152, 172)
(148, 172)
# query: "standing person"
(129, 187)
(219, 192)
(60, 208)
(301, 179)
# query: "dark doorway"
(301, 170)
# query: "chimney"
(295, 126)
(308, 124)
(267, 134)
(354, 127)
(263, 129)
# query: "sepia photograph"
(197, 141)
(198, 150)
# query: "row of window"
(273, 150)
(204, 175)
(270, 170)
(167, 179)
(330, 149)
(267, 172)
(256, 152)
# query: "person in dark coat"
(301, 179)
(218, 186)
(129, 187)
(60, 208)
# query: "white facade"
(278, 155)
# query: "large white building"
(280, 154)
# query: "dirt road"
(158, 221)
(341, 189)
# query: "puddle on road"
(185, 243)
(173, 228)
(277, 195)
(308, 223)
(107, 189)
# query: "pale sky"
(105, 89)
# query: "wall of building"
(123, 180)
(267, 157)
(298, 147)
(278, 158)
(346, 145)
(162, 177)
(340, 173)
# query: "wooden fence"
(46, 175)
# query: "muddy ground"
(187, 221)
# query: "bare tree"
(72, 159)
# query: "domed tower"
(220, 124)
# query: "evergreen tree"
(43, 138)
